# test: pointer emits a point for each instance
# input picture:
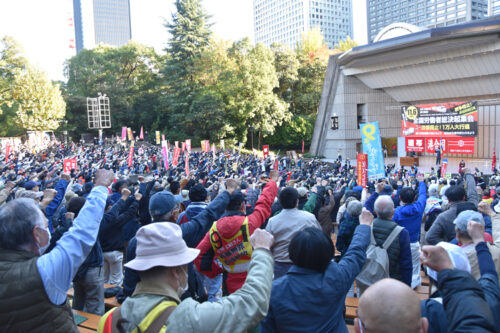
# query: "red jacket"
(228, 227)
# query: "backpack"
(154, 322)
(377, 260)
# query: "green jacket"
(238, 312)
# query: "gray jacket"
(443, 228)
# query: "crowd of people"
(234, 242)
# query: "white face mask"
(182, 290)
(42, 249)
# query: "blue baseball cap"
(31, 184)
(161, 203)
(358, 189)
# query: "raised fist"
(261, 239)
(104, 177)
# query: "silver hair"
(17, 220)
(384, 207)
(354, 208)
(464, 217)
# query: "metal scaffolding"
(98, 112)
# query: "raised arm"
(58, 267)
(252, 299)
(472, 195)
(352, 262)
(54, 204)
(422, 195)
(194, 230)
(435, 233)
(262, 209)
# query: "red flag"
(7, 152)
(141, 136)
(176, 144)
(362, 166)
(289, 177)
(265, 150)
(186, 161)
(444, 164)
(494, 162)
(188, 145)
(302, 146)
(276, 165)
(68, 164)
(183, 146)
(164, 153)
(175, 159)
(131, 154)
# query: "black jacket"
(110, 230)
(464, 302)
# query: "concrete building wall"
(349, 92)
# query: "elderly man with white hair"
(398, 245)
(466, 242)
(34, 284)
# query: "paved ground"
(425, 163)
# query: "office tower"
(101, 21)
(284, 20)
(493, 7)
(422, 13)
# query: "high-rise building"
(284, 20)
(101, 21)
(422, 13)
(493, 7)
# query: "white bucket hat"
(161, 244)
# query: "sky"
(44, 27)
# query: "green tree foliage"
(40, 104)
(204, 87)
(252, 94)
(313, 55)
(28, 99)
(190, 36)
(291, 133)
(345, 45)
(128, 75)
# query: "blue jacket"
(51, 208)
(410, 216)
(489, 280)
(305, 300)
(192, 233)
(191, 211)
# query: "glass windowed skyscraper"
(494, 7)
(422, 13)
(284, 20)
(101, 21)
